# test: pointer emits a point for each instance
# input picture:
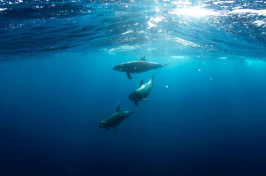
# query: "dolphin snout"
(115, 68)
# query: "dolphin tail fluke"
(128, 75)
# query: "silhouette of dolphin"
(137, 66)
(114, 119)
(141, 93)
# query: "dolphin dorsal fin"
(118, 108)
(143, 58)
(141, 82)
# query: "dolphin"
(142, 92)
(137, 66)
(114, 119)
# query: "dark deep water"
(205, 115)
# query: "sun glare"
(193, 12)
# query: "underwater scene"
(132, 87)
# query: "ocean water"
(206, 114)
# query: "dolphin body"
(142, 92)
(137, 66)
(114, 119)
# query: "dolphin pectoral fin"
(145, 99)
(128, 75)
(115, 128)
(143, 58)
(136, 103)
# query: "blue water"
(205, 115)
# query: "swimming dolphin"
(142, 92)
(114, 119)
(137, 66)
